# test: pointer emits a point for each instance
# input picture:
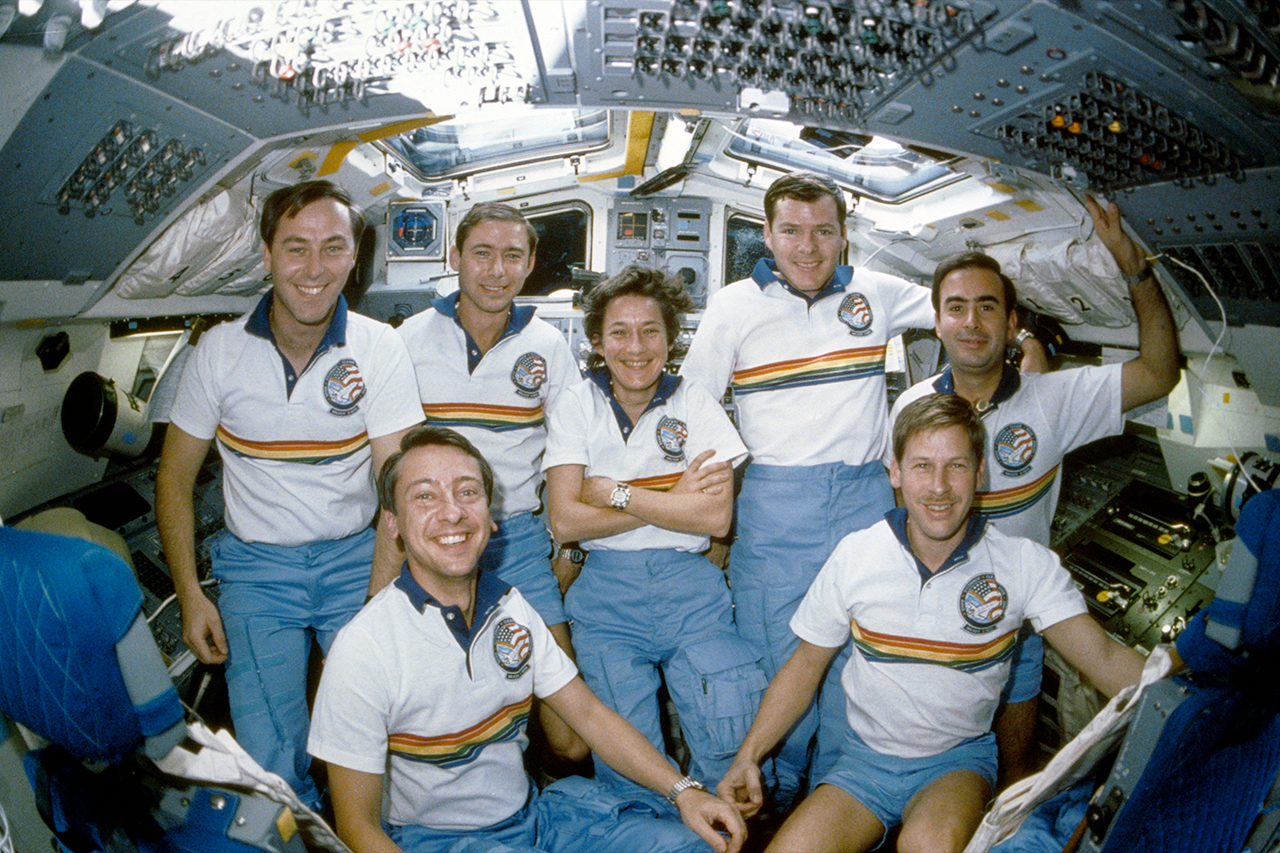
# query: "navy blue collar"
(335, 335)
(519, 317)
(766, 273)
(489, 592)
(897, 518)
(1010, 382)
(667, 385)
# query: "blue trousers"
(273, 601)
(636, 612)
(790, 519)
(572, 815)
(519, 552)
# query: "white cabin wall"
(26, 829)
(37, 464)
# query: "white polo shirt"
(1033, 421)
(408, 690)
(499, 400)
(930, 651)
(807, 378)
(589, 428)
(295, 450)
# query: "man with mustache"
(933, 598)
(1033, 420)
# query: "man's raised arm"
(1154, 372)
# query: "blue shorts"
(519, 552)
(886, 783)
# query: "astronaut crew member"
(639, 469)
(305, 399)
(1033, 420)
(801, 345)
(491, 370)
(934, 597)
(433, 681)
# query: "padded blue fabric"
(206, 828)
(65, 604)
(91, 812)
(1258, 529)
(1200, 792)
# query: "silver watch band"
(683, 785)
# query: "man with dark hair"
(305, 399)
(801, 347)
(1033, 420)
(491, 370)
(933, 598)
(432, 683)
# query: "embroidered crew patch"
(982, 604)
(855, 312)
(528, 374)
(1015, 448)
(672, 434)
(512, 647)
(344, 387)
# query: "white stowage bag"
(1071, 763)
(1076, 281)
(212, 248)
(222, 761)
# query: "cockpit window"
(743, 246)
(464, 145)
(562, 248)
(867, 165)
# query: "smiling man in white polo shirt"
(304, 399)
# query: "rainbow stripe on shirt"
(838, 366)
(966, 657)
(306, 452)
(481, 416)
(660, 483)
(452, 750)
(1002, 503)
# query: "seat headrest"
(66, 603)
(1244, 615)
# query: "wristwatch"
(1135, 278)
(621, 497)
(683, 785)
(1021, 338)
